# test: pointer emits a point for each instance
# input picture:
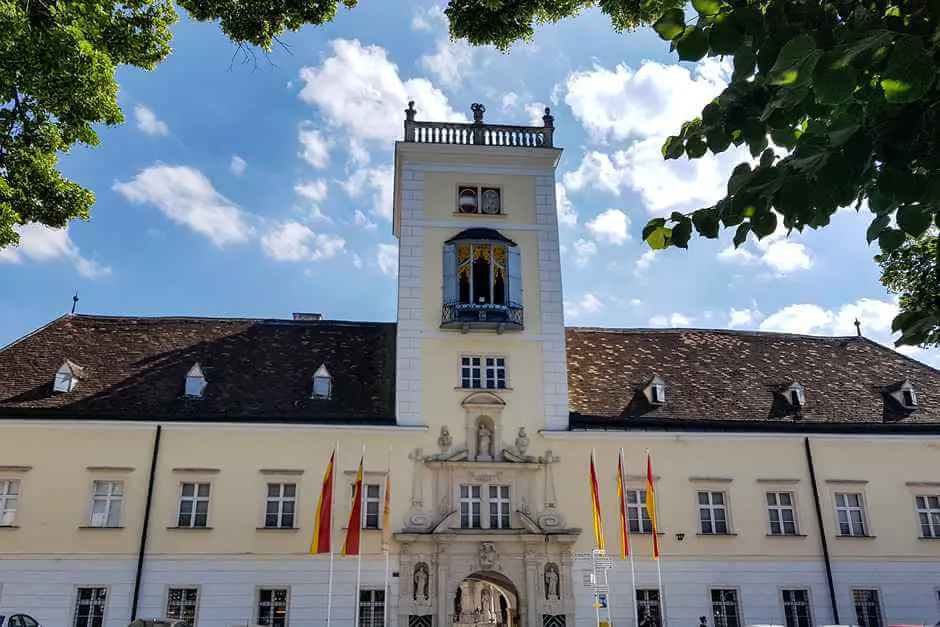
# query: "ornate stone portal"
(487, 545)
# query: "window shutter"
(450, 274)
(515, 276)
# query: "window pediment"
(482, 399)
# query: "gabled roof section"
(260, 369)
(717, 375)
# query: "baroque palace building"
(172, 466)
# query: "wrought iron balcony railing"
(468, 316)
(478, 133)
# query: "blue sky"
(259, 187)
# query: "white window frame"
(499, 505)
(112, 498)
(375, 617)
(11, 489)
(195, 498)
(478, 368)
(640, 605)
(879, 609)
(713, 507)
(848, 509)
(91, 618)
(183, 602)
(474, 505)
(809, 606)
(483, 504)
(776, 510)
(735, 602)
(272, 589)
(478, 210)
(638, 518)
(375, 502)
(931, 512)
(280, 500)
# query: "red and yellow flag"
(651, 506)
(599, 542)
(386, 512)
(354, 528)
(622, 498)
(322, 538)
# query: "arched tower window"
(482, 281)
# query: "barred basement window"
(90, 604)
(648, 608)
(371, 608)
(272, 607)
(796, 610)
(867, 608)
(181, 604)
(725, 608)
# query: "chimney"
(308, 317)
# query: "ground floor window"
(372, 608)
(272, 607)
(648, 608)
(89, 607)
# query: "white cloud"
(672, 320)
(364, 222)
(644, 262)
(428, 19)
(653, 100)
(584, 251)
(786, 256)
(292, 241)
(387, 258)
(238, 165)
(536, 110)
(379, 182)
(509, 101)
(42, 243)
(357, 152)
(739, 255)
(874, 315)
(567, 216)
(314, 191)
(743, 317)
(359, 90)
(588, 304)
(597, 170)
(188, 198)
(314, 147)
(450, 63)
(611, 225)
(147, 121)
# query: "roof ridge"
(177, 318)
(750, 332)
(35, 331)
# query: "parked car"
(17, 619)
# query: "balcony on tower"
(477, 133)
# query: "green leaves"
(910, 71)
(707, 8)
(670, 25)
(833, 81)
(692, 45)
(795, 63)
(914, 220)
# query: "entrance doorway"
(486, 599)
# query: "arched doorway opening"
(486, 599)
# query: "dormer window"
(322, 383)
(907, 395)
(656, 391)
(67, 376)
(195, 381)
(482, 280)
(796, 394)
(479, 199)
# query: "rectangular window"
(89, 607)
(782, 514)
(194, 504)
(867, 608)
(499, 507)
(928, 511)
(713, 513)
(371, 505)
(850, 510)
(638, 518)
(106, 502)
(725, 608)
(372, 608)
(648, 608)
(272, 607)
(796, 612)
(280, 506)
(477, 372)
(181, 604)
(470, 505)
(9, 500)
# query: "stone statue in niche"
(487, 555)
(445, 441)
(551, 582)
(420, 581)
(484, 442)
(486, 600)
(522, 441)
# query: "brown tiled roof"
(739, 376)
(256, 369)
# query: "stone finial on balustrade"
(410, 121)
(548, 121)
(478, 111)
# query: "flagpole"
(626, 518)
(359, 551)
(659, 561)
(385, 530)
(329, 600)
